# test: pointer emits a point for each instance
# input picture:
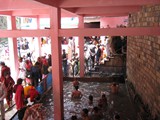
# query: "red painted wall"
(112, 21)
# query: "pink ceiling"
(108, 8)
(28, 8)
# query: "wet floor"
(119, 103)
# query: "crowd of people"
(70, 67)
(34, 72)
(31, 74)
(101, 49)
(93, 111)
(27, 85)
(97, 50)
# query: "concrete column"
(38, 40)
(81, 46)
(57, 74)
(13, 52)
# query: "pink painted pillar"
(57, 74)
(13, 51)
(38, 40)
(81, 46)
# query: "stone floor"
(119, 103)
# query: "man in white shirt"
(22, 70)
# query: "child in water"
(75, 82)
(90, 98)
(76, 94)
(102, 103)
(114, 88)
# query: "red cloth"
(15, 88)
(5, 70)
(9, 82)
(44, 61)
(28, 66)
(33, 94)
(75, 83)
(76, 94)
(19, 97)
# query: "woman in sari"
(19, 96)
(9, 83)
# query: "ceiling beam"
(72, 10)
(101, 3)
(6, 13)
(83, 32)
(110, 31)
(107, 10)
(107, 15)
(53, 3)
(36, 12)
(30, 12)
(24, 33)
(68, 13)
(29, 16)
(20, 5)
